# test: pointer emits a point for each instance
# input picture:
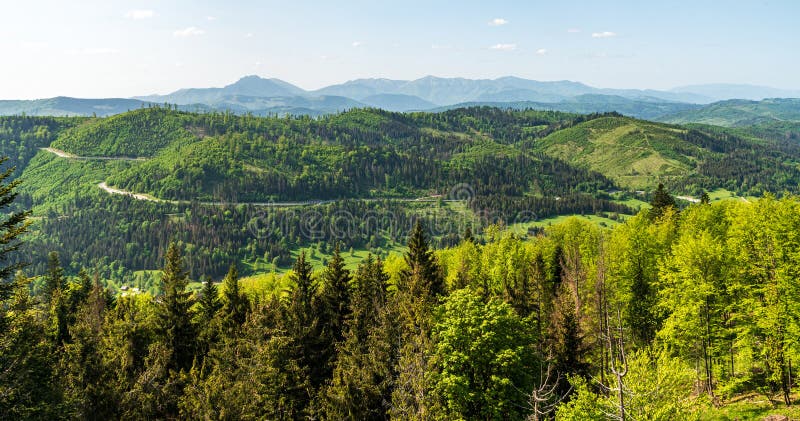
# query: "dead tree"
(545, 398)
(617, 361)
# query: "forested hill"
(240, 188)
(374, 153)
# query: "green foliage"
(485, 355)
(176, 331)
(138, 133)
(737, 112)
(657, 387)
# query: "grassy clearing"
(750, 407)
(522, 228)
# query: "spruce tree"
(303, 327)
(422, 279)
(661, 201)
(54, 278)
(640, 317)
(336, 295)
(174, 319)
(234, 303)
(704, 199)
(360, 385)
(208, 303)
(468, 235)
(12, 226)
(557, 269)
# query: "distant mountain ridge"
(263, 96)
(726, 91)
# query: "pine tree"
(301, 315)
(27, 389)
(333, 309)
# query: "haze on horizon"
(124, 48)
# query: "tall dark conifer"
(234, 303)
(422, 279)
(661, 201)
(175, 326)
(12, 226)
(336, 296)
(54, 278)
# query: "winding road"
(68, 155)
(149, 198)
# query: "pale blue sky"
(105, 48)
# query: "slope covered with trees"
(380, 169)
(739, 113)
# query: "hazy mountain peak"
(253, 85)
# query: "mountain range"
(262, 96)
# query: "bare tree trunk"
(618, 358)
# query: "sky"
(110, 48)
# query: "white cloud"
(541, 51)
(573, 30)
(249, 35)
(503, 47)
(188, 32)
(497, 22)
(440, 47)
(140, 14)
(211, 18)
(605, 34)
(357, 44)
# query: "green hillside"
(371, 170)
(737, 112)
(640, 154)
(636, 154)
(139, 133)
(357, 154)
